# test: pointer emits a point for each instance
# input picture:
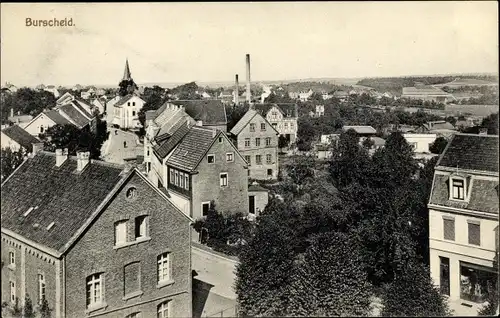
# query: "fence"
(228, 312)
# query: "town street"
(114, 150)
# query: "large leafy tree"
(154, 97)
(127, 87)
(438, 145)
(412, 293)
(26, 101)
(10, 160)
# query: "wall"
(34, 127)
(29, 262)
(423, 141)
(94, 252)
(261, 200)
(206, 183)
(259, 171)
(7, 142)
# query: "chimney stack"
(82, 160)
(248, 79)
(237, 91)
(61, 156)
(37, 147)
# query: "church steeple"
(126, 75)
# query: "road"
(114, 150)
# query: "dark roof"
(285, 108)
(168, 143)
(62, 196)
(75, 115)
(77, 102)
(483, 196)
(192, 148)
(57, 118)
(21, 136)
(209, 111)
(471, 152)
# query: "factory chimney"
(236, 90)
(248, 80)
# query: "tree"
(10, 160)
(412, 293)
(28, 308)
(438, 145)
(331, 280)
(45, 311)
(234, 114)
(282, 142)
(300, 169)
(305, 133)
(26, 101)
(154, 98)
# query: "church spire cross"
(126, 74)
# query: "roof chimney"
(61, 156)
(82, 160)
(37, 147)
(483, 131)
(248, 79)
(12, 109)
(236, 91)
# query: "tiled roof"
(57, 195)
(168, 144)
(285, 108)
(78, 104)
(471, 152)
(75, 115)
(243, 121)
(21, 136)
(483, 197)
(175, 121)
(433, 125)
(361, 129)
(192, 148)
(57, 118)
(209, 111)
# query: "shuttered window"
(474, 233)
(449, 229)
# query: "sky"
(184, 42)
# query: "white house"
(98, 104)
(463, 221)
(304, 96)
(15, 138)
(283, 117)
(320, 110)
(420, 142)
(126, 111)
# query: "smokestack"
(248, 79)
(61, 156)
(236, 91)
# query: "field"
(457, 110)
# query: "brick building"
(463, 221)
(93, 239)
(257, 141)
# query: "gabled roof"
(77, 117)
(209, 111)
(64, 98)
(471, 152)
(21, 136)
(78, 103)
(192, 148)
(56, 117)
(125, 99)
(56, 194)
(285, 108)
(167, 143)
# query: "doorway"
(251, 204)
(444, 275)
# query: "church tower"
(126, 74)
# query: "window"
(286, 125)
(258, 159)
(148, 150)
(220, 139)
(291, 125)
(186, 182)
(274, 125)
(223, 179)
(263, 126)
(247, 159)
(449, 228)
(176, 178)
(12, 258)
(268, 158)
(12, 291)
(133, 112)
(229, 157)
(252, 127)
(268, 141)
(181, 176)
(474, 232)
(458, 189)
(269, 172)
(163, 310)
(247, 142)
(128, 104)
(95, 289)
(444, 275)
(41, 129)
(257, 142)
(149, 166)
(131, 192)
(476, 281)
(163, 261)
(121, 232)
(211, 158)
(205, 207)
(133, 103)
(134, 315)
(41, 288)
(172, 176)
(141, 227)
(132, 278)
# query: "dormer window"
(458, 189)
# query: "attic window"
(131, 193)
(220, 139)
(211, 158)
(460, 187)
(50, 226)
